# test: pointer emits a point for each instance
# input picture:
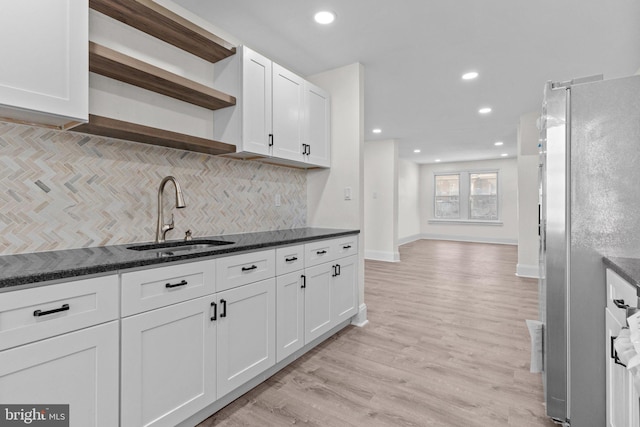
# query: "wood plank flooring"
(446, 345)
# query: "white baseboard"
(409, 239)
(360, 319)
(524, 270)
(471, 239)
(382, 256)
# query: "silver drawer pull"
(39, 313)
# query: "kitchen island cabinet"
(44, 79)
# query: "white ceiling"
(415, 51)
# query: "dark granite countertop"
(40, 267)
(627, 268)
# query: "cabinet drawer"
(346, 246)
(620, 289)
(318, 252)
(33, 314)
(289, 259)
(158, 287)
(246, 268)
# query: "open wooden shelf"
(160, 22)
(119, 66)
(112, 128)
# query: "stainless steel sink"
(175, 248)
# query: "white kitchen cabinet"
(288, 114)
(623, 402)
(317, 301)
(168, 363)
(344, 298)
(77, 368)
(289, 259)
(317, 126)
(277, 113)
(44, 74)
(290, 313)
(617, 377)
(246, 333)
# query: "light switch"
(347, 193)
(278, 200)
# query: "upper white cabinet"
(317, 128)
(44, 78)
(287, 114)
(278, 114)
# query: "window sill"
(465, 222)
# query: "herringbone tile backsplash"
(62, 190)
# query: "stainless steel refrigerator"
(589, 207)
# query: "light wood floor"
(446, 345)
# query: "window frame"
(465, 197)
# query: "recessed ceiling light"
(504, 154)
(376, 130)
(499, 143)
(470, 75)
(324, 17)
(484, 110)
(437, 160)
(417, 150)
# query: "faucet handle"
(187, 236)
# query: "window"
(447, 201)
(483, 196)
(466, 196)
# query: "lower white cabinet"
(317, 301)
(616, 378)
(168, 363)
(344, 298)
(330, 296)
(246, 333)
(77, 368)
(290, 314)
(623, 402)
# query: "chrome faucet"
(162, 228)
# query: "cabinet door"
(288, 114)
(617, 378)
(317, 130)
(45, 64)
(290, 314)
(256, 102)
(246, 333)
(344, 291)
(168, 363)
(78, 368)
(317, 301)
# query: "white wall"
(326, 204)
(408, 201)
(528, 241)
(381, 200)
(506, 233)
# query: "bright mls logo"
(34, 415)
